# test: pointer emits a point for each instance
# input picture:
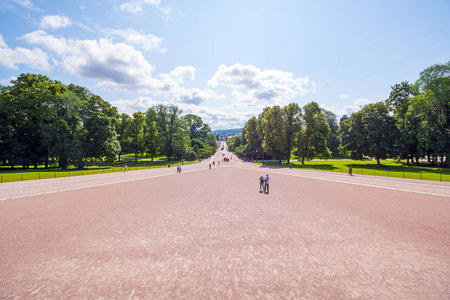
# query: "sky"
(225, 60)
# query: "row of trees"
(43, 119)
(413, 123)
(282, 131)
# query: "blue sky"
(225, 60)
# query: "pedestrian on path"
(350, 171)
(266, 184)
(261, 184)
(126, 169)
(210, 165)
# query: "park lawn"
(131, 158)
(388, 168)
(10, 175)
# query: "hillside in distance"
(234, 131)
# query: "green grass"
(10, 175)
(388, 168)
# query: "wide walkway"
(209, 234)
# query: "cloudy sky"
(225, 60)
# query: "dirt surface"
(209, 234)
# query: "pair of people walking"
(178, 169)
(264, 184)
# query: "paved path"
(210, 234)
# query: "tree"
(121, 129)
(380, 131)
(292, 116)
(352, 133)
(333, 137)
(312, 139)
(398, 102)
(371, 132)
(252, 137)
(151, 139)
(136, 133)
(168, 124)
(98, 137)
(434, 83)
(26, 106)
(211, 140)
(197, 129)
(274, 129)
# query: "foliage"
(312, 138)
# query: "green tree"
(333, 137)
(151, 139)
(371, 131)
(121, 129)
(292, 116)
(273, 125)
(380, 131)
(352, 133)
(312, 139)
(25, 107)
(434, 83)
(211, 140)
(398, 102)
(252, 137)
(135, 133)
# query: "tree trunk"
(417, 160)
(407, 156)
(378, 161)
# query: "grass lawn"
(8, 175)
(388, 168)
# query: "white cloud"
(166, 10)
(35, 58)
(52, 43)
(136, 5)
(54, 22)
(131, 106)
(180, 73)
(27, 4)
(343, 96)
(146, 41)
(7, 81)
(193, 96)
(357, 105)
(116, 65)
(263, 87)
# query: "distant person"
(210, 165)
(290, 166)
(266, 184)
(350, 171)
(126, 169)
(261, 184)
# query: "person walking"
(126, 169)
(261, 184)
(210, 165)
(266, 184)
(350, 171)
